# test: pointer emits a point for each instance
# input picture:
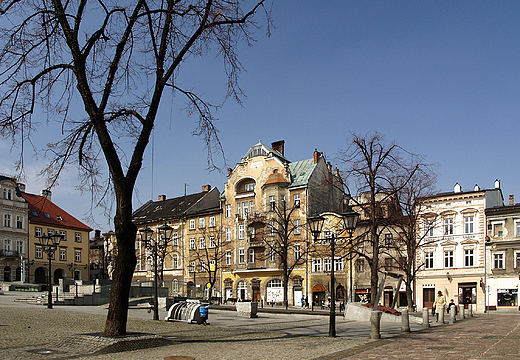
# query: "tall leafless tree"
(377, 171)
(115, 62)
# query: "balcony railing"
(9, 253)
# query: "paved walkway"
(66, 332)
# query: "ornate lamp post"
(156, 245)
(50, 243)
(350, 219)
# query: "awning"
(318, 288)
(363, 291)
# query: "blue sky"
(441, 78)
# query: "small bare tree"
(281, 243)
(101, 69)
(378, 171)
(209, 254)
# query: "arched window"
(175, 285)
(242, 290)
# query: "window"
(228, 234)
(469, 257)
(191, 267)
(296, 201)
(251, 207)
(77, 237)
(7, 220)
(297, 229)
(239, 209)
(272, 228)
(338, 264)
(448, 226)
(212, 265)
(63, 234)
(241, 229)
(360, 265)
(388, 239)
(202, 266)
(244, 206)
(175, 239)
(228, 211)
(47, 215)
(138, 244)
(250, 187)
(448, 258)
(202, 223)
(498, 261)
(63, 254)
(175, 261)
(34, 213)
(251, 256)
(429, 227)
(251, 233)
(241, 256)
(517, 260)
(175, 285)
(428, 260)
(327, 264)
(192, 244)
(202, 243)
(297, 252)
(282, 201)
(50, 232)
(389, 264)
(228, 257)
(192, 224)
(517, 229)
(19, 222)
(272, 255)
(212, 243)
(38, 254)
(138, 265)
(468, 224)
(59, 217)
(7, 245)
(272, 203)
(212, 221)
(77, 255)
(37, 231)
(20, 247)
(316, 265)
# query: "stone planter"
(247, 309)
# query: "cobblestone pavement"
(483, 337)
(35, 332)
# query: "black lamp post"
(350, 219)
(156, 245)
(49, 244)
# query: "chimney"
(476, 188)
(457, 188)
(229, 171)
(97, 236)
(21, 187)
(317, 155)
(46, 194)
(511, 200)
(206, 187)
(162, 197)
(497, 184)
(278, 146)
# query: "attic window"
(59, 217)
(47, 215)
(34, 213)
(159, 207)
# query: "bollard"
(470, 310)
(452, 314)
(460, 314)
(425, 317)
(405, 321)
(440, 315)
(375, 326)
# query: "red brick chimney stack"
(511, 199)
(278, 146)
(162, 197)
(206, 187)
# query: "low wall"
(358, 312)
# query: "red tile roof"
(57, 216)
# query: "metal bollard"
(426, 317)
(452, 314)
(375, 326)
(405, 321)
(440, 318)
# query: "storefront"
(507, 297)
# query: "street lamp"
(156, 245)
(49, 244)
(350, 219)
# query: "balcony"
(256, 242)
(9, 253)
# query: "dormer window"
(47, 215)
(34, 213)
(59, 217)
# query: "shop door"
(389, 298)
(428, 297)
(467, 295)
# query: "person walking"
(440, 300)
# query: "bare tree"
(210, 255)
(409, 224)
(282, 244)
(377, 171)
(115, 62)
